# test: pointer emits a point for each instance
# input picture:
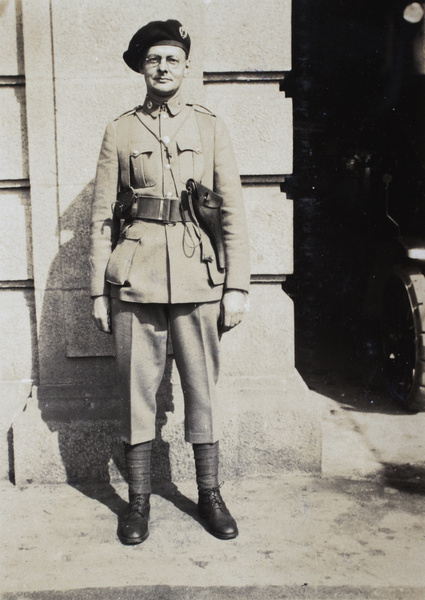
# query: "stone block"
(263, 344)
(83, 338)
(278, 429)
(13, 134)
(55, 367)
(259, 120)
(102, 37)
(15, 242)
(42, 134)
(270, 228)
(248, 36)
(41, 127)
(13, 398)
(280, 433)
(75, 205)
(80, 132)
(60, 451)
(18, 356)
(38, 41)
(44, 217)
(11, 51)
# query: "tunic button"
(168, 167)
(166, 139)
(169, 194)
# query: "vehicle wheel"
(403, 319)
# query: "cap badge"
(183, 32)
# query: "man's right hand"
(101, 313)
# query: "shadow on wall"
(77, 394)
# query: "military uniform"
(154, 150)
(161, 270)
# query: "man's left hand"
(233, 307)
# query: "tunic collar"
(173, 106)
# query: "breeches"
(141, 335)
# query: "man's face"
(164, 68)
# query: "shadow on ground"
(404, 478)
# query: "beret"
(155, 33)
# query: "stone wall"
(75, 81)
(18, 349)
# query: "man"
(163, 272)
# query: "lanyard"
(165, 146)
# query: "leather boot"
(133, 529)
(212, 509)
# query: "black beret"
(156, 33)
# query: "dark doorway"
(358, 96)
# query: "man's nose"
(163, 65)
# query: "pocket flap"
(146, 147)
(134, 231)
(189, 140)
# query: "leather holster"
(204, 208)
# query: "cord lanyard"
(193, 244)
(166, 148)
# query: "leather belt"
(152, 208)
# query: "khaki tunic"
(155, 262)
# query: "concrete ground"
(356, 532)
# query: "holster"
(122, 207)
(204, 207)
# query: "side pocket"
(119, 264)
(217, 277)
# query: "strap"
(123, 135)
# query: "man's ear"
(187, 67)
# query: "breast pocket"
(144, 165)
(190, 157)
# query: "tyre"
(403, 321)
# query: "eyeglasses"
(154, 61)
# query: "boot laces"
(139, 504)
(215, 499)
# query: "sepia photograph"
(212, 299)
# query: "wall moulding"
(14, 184)
(12, 80)
(18, 284)
(244, 77)
(262, 179)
